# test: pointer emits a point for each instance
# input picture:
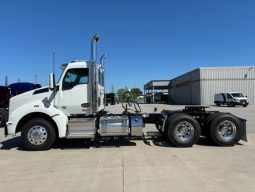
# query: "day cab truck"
(74, 109)
(231, 99)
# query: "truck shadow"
(151, 139)
(225, 106)
(12, 143)
(86, 144)
(162, 141)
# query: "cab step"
(81, 128)
(78, 133)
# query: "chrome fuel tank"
(137, 125)
(117, 125)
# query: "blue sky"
(143, 39)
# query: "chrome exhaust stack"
(94, 73)
(102, 58)
(94, 41)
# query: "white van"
(230, 99)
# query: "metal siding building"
(154, 85)
(199, 86)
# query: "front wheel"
(38, 134)
(225, 130)
(183, 130)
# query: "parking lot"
(147, 165)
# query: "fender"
(38, 107)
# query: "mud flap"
(243, 135)
(5, 131)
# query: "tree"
(135, 92)
(121, 94)
(124, 94)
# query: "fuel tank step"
(81, 128)
(78, 133)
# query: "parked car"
(231, 99)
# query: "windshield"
(237, 94)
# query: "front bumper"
(241, 103)
(10, 129)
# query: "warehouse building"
(199, 86)
(153, 87)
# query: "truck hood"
(33, 96)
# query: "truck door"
(73, 92)
(229, 98)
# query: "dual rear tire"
(183, 130)
(225, 129)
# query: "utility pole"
(54, 58)
(112, 88)
(6, 80)
(36, 76)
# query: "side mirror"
(52, 84)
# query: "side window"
(229, 96)
(75, 77)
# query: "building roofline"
(185, 73)
(228, 67)
(223, 67)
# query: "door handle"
(84, 105)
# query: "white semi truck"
(74, 108)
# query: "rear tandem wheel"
(225, 129)
(182, 130)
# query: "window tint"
(75, 77)
(237, 95)
(229, 96)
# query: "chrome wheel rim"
(37, 135)
(226, 131)
(184, 131)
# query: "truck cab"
(74, 89)
(66, 106)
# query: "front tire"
(183, 130)
(225, 130)
(38, 134)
